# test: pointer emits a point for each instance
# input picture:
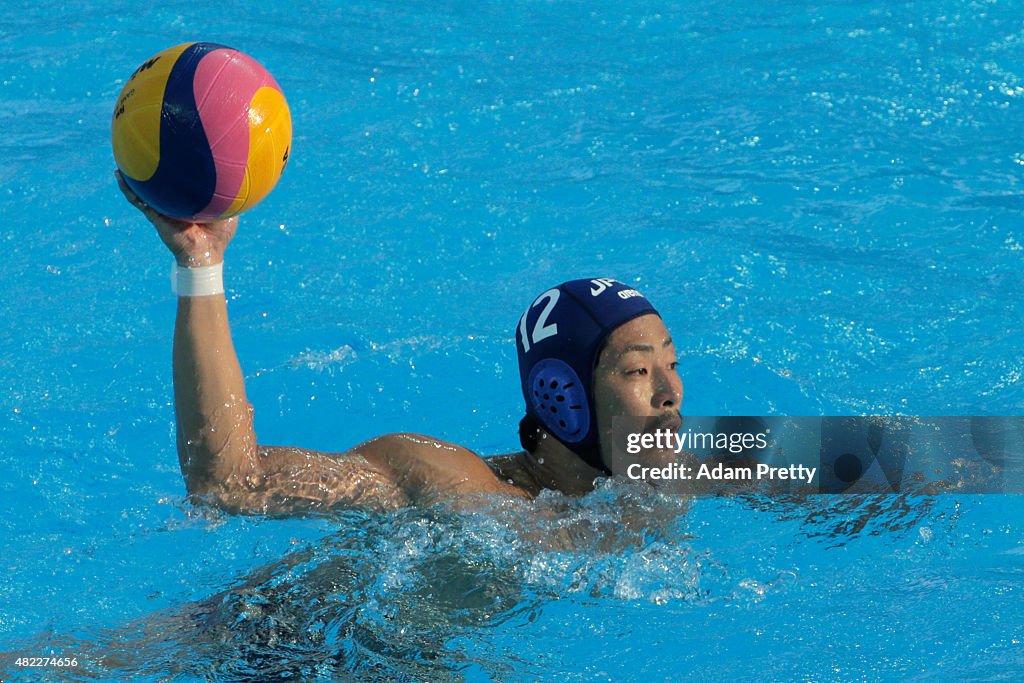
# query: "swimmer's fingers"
(151, 214)
(188, 241)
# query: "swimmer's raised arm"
(215, 434)
(217, 448)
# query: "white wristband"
(201, 281)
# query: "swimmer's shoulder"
(426, 467)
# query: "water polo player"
(589, 350)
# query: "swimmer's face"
(636, 376)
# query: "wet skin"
(223, 463)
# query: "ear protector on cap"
(558, 339)
(560, 398)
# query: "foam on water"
(423, 592)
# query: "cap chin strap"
(532, 431)
(591, 454)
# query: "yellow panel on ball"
(270, 140)
(136, 128)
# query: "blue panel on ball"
(186, 176)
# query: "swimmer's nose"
(669, 390)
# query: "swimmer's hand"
(193, 244)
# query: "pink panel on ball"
(224, 84)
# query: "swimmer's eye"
(637, 372)
(674, 364)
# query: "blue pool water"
(824, 202)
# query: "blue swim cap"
(558, 340)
